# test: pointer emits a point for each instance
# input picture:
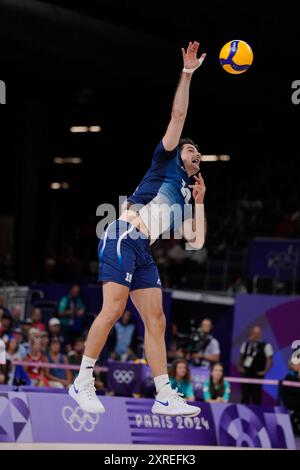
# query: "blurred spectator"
(16, 314)
(2, 305)
(237, 287)
(176, 344)
(123, 339)
(45, 342)
(180, 378)
(12, 353)
(33, 333)
(3, 366)
(57, 377)
(18, 336)
(26, 325)
(75, 355)
(216, 389)
(5, 327)
(37, 374)
(36, 317)
(256, 358)
(71, 311)
(54, 328)
(203, 349)
(291, 396)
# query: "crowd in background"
(60, 341)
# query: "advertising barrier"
(45, 417)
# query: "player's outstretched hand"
(198, 189)
(190, 60)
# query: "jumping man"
(161, 203)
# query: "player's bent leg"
(148, 302)
(149, 305)
(83, 390)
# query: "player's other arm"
(194, 230)
(181, 99)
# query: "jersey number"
(185, 192)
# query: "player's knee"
(112, 313)
(156, 322)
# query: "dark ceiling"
(116, 64)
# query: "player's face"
(191, 158)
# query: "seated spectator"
(123, 339)
(255, 360)
(37, 374)
(26, 325)
(57, 377)
(75, 356)
(12, 353)
(5, 327)
(216, 389)
(45, 342)
(71, 311)
(18, 336)
(54, 328)
(3, 363)
(291, 396)
(16, 315)
(2, 352)
(204, 349)
(180, 378)
(32, 333)
(36, 317)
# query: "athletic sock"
(86, 369)
(162, 384)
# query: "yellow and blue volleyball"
(236, 56)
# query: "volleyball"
(236, 56)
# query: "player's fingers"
(183, 52)
(202, 57)
(199, 181)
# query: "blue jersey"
(163, 197)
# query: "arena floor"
(71, 446)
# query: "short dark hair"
(185, 141)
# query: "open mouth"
(197, 160)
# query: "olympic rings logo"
(123, 376)
(79, 420)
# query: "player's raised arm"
(181, 99)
